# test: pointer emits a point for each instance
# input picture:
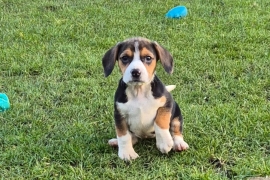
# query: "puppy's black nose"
(135, 73)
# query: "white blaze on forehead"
(137, 51)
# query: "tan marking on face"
(127, 52)
(146, 52)
(149, 67)
(163, 118)
(122, 66)
(175, 127)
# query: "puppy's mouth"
(136, 82)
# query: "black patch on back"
(176, 112)
(157, 88)
(121, 97)
(120, 94)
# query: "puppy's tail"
(170, 87)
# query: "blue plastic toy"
(177, 12)
(4, 102)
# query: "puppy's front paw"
(127, 154)
(164, 141)
(165, 147)
(180, 144)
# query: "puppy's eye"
(147, 59)
(125, 59)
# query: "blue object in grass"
(4, 102)
(177, 12)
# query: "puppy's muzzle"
(135, 73)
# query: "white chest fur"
(140, 111)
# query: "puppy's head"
(137, 58)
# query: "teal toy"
(177, 12)
(4, 102)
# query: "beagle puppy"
(143, 106)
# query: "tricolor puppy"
(143, 106)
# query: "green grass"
(61, 112)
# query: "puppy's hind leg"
(114, 142)
(176, 131)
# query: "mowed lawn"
(61, 114)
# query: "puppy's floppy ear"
(109, 59)
(165, 57)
